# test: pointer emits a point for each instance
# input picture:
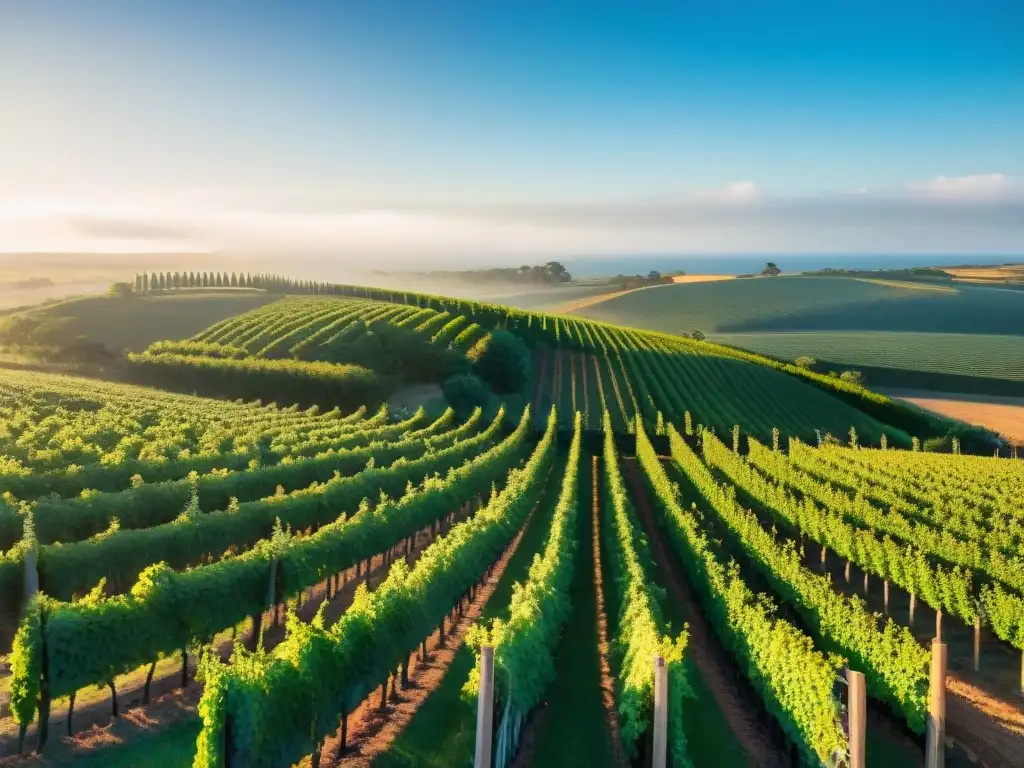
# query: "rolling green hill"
(957, 362)
(135, 322)
(957, 338)
(577, 365)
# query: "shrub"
(503, 361)
(804, 361)
(942, 444)
(852, 377)
(121, 290)
(464, 391)
(696, 335)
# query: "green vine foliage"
(793, 679)
(192, 537)
(895, 665)
(310, 383)
(920, 571)
(525, 643)
(638, 631)
(148, 504)
(276, 707)
(27, 655)
(89, 642)
(79, 436)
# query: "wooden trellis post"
(935, 739)
(977, 642)
(485, 709)
(659, 758)
(857, 710)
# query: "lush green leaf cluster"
(794, 680)
(120, 555)
(201, 348)
(638, 635)
(90, 641)
(525, 643)
(895, 665)
(919, 571)
(309, 383)
(270, 710)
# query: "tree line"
(147, 282)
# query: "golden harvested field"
(1007, 273)
(1004, 415)
(701, 278)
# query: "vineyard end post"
(935, 744)
(660, 756)
(485, 709)
(858, 710)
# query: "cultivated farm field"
(985, 356)
(954, 337)
(285, 571)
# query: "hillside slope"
(578, 365)
(905, 334)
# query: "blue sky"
(500, 129)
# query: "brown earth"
(1003, 415)
(604, 650)
(371, 729)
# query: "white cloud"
(978, 186)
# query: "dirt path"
(578, 714)
(992, 729)
(604, 650)
(740, 712)
(93, 724)
(372, 730)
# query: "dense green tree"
(121, 290)
(852, 377)
(464, 392)
(503, 361)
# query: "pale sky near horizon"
(503, 131)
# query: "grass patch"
(816, 304)
(574, 723)
(135, 323)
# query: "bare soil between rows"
(372, 729)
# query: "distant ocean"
(602, 266)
